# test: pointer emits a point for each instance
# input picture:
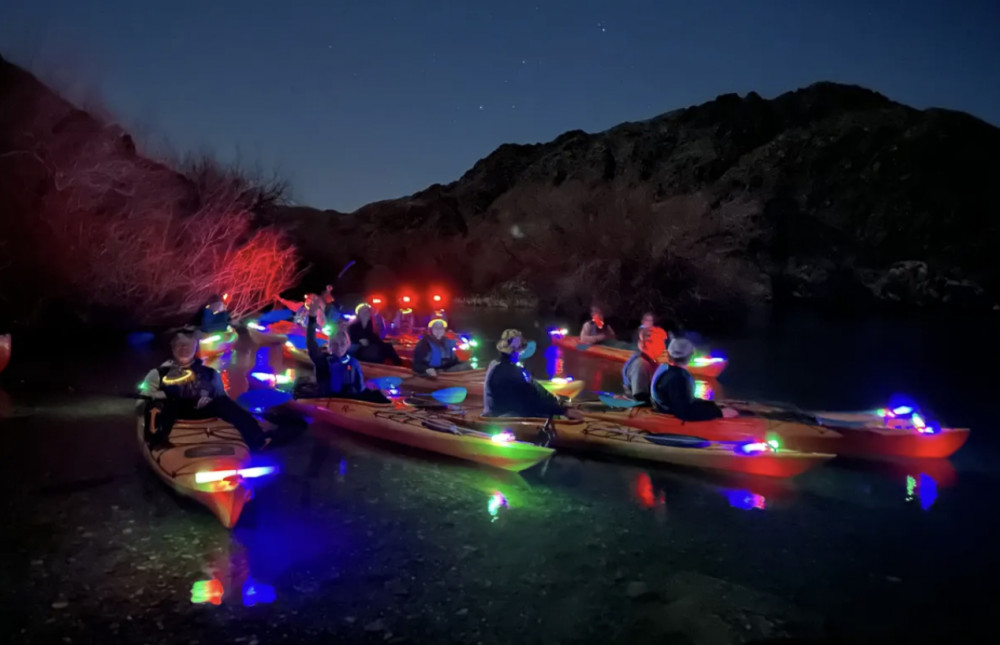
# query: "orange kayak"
(747, 457)
(205, 461)
(4, 351)
(423, 429)
(706, 366)
(865, 434)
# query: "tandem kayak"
(208, 461)
(4, 351)
(706, 366)
(789, 433)
(425, 430)
(217, 343)
(749, 457)
(868, 434)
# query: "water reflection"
(231, 580)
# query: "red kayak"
(705, 366)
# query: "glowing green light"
(212, 339)
(207, 591)
(143, 386)
(774, 443)
(911, 487)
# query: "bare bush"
(114, 231)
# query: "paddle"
(612, 402)
(387, 382)
(448, 395)
(529, 350)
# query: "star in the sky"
(601, 26)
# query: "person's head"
(340, 343)
(648, 320)
(437, 328)
(596, 314)
(680, 350)
(184, 346)
(216, 304)
(511, 342)
(364, 313)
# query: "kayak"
(423, 429)
(217, 343)
(867, 434)
(208, 461)
(277, 332)
(749, 457)
(706, 366)
(756, 428)
(4, 351)
(471, 380)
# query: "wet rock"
(638, 590)
(60, 604)
(462, 612)
(375, 626)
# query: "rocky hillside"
(830, 192)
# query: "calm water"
(362, 542)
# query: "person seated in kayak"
(366, 344)
(214, 317)
(509, 390)
(595, 331)
(185, 388)
(405, 321)
(637, 375)
(659, 334)
(338, 374)
(672, 388)
(374, 310)
(436, 352)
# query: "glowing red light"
(406, 298)
(437, 298)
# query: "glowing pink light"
(504, 436)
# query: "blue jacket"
(431, 352)
(335, 376)
(510, 391)
(672, 392)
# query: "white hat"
(680, 348)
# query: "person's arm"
(586, 337)
(422, 356)
(315, 353)
(357, 377)
(641, 381)
(609, 331)
(150, 385)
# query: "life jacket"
(186, 386)
(440, 351)
(344, 374)
(661, 372)
(626, 384)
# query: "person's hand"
(574, 414)
(431, 372)
(363, 342)
(730, 413)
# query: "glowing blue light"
(257, 593)
(901, 410)
(752, 448)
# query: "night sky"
(359, 100)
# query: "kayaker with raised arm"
(338, 374)
(509, 391)
(214, 317)
(301, 309)
(436, 352)
(185, 388)
(672, 389)
(637, 375)
(366, 343)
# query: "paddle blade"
(260, 400)
(612, 402)
(450, 395)
(387, 382)
(529, 350)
